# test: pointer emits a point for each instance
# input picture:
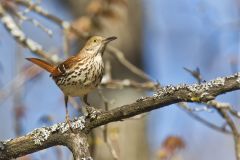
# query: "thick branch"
(46, 137)
(59, 135)
(170, 95)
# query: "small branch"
(203, 121)
(111, 148)
(235, 132)
(221, 105)
(26, 75)
(195, 73)
(223, 109)
(37, 24)
(121, 58)
(194, 109)
(120, 84)
(20, 36)
(36, 8)
(63, 24)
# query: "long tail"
(48, 67)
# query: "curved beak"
(109, 39)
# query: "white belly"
(82, 83)
(76, 90)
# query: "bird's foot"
(92, 113)
(68, 121)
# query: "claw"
(92, 112)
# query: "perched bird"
(79, 74)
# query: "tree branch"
(223, 109)
(235, 132)
(204, 121)
(59, 134)
(20, 36)
(169, 95)
(46, 137)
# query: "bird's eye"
(94, 40)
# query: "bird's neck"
(94, 51)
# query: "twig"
(195, 73)
(28, 9)
(119, 84)
(236, 135)
(38, 24)
(64, 24)
(223, 109)
(194, 109)
(20, 36)
(28, 74)
(121, 58)
(221, 105)
(203, 121)
(111, 148)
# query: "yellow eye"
(94, 40)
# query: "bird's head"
(97, 44)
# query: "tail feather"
(43, 64)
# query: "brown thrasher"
(79, 74)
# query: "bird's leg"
(87, 105)
(91, 111)
(67, 119)
(85, 97)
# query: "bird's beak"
(109, 39)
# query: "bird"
(80, 74)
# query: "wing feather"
(68, 65)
